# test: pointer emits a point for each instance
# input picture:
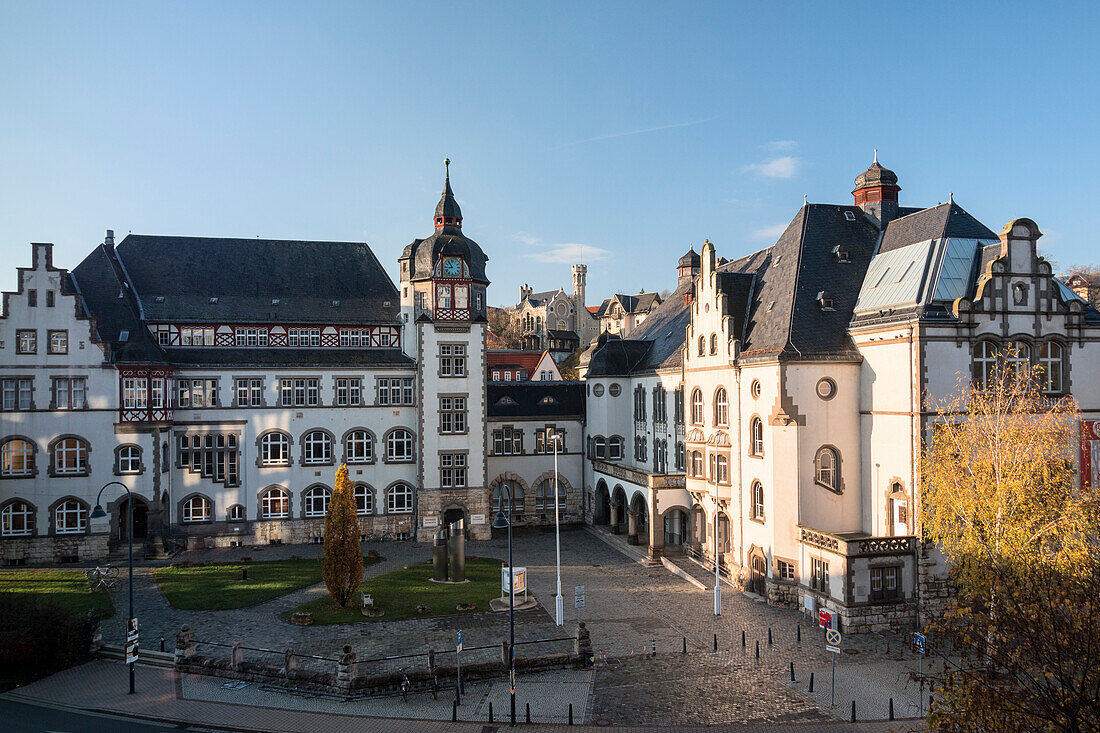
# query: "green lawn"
(398, 593)
(220, 586)
(67, 589)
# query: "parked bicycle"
(380, 537)
(406, 685)
(102, 577)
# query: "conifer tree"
(342, 568)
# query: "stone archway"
(758, 572)
(618, 509)
(676, 527)
(638, 521)
(601, 512)
(120, 520)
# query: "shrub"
(38, 638)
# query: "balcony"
(856, 544)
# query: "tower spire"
(447, 212)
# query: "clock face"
(452, 267)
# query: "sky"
(614, 134)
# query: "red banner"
(1090, 454)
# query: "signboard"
(477, 519)
(919, 641)
(578, 596)
(431, 521)
(460, 640)
(520, 575)
(131, 652)
(1090, 454)
(825, 619)
(832, 641)
(132, 630)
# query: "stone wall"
(282, 531)
(51, 549)
(866, 619)
(783, 594)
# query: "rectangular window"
(26, 341)
(819, 578)
(452, 360)
(884, 583)
(348, 391)
(68, 393)
(197, 336)
(395, 391)
(156, 394)
(443, 297)
(32, 298)
(17, 394)
(462, 296)
(197, 393)
(213, 455)
(135, 393)
(452, 414)
(299, 392)
(507, 441)
(59, 342)
(164, 337)
(250, 392)
(544, 440)
(452, 470)
(786, 571)
(50, 298)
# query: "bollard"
(653, 648)
(929, 703)
(490, 711)
(244, 573)
(758, 649)
(742, 638)
(792, 671)
(454, 711)
(461, 684)
(853, 711)
(458, 698)
(891, 708)
(769, 636)
(570, 713)
(811, 681)
(716, 642)
(162, 643)
(528, 713)
(684, 649)
(798, 634)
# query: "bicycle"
(102, 578)
(405, 687)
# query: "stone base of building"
(52, 550)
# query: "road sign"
(919, 641)
(825, 619)
(460, 640)
(578, 596)
(832, 641)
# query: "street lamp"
(501, 522)
(559, 604)
(98, 513)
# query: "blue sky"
(616, 133)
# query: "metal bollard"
(244, 573)
(162, 643)
(458, 697)
(811, 681)
(454, 711)
(684, 649)
(490, 711)
(716, 642)
(792, 671)
(769, 636)
(528, 713)
(798, 633)
(570, 713)
(742, 638)
(891, 708)
(653, 648)
(853, 711)
(758, 649)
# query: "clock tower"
(443, 312)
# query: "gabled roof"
(537, 299)
(640, 303)
(528, 361)
(555, 333)
(945, 220)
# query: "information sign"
(578, 596)
(919, 641)
(477, 519)
(132, 630)
(825, 619)
(460, 640)
(520, 575)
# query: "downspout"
(914, 417)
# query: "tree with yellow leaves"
(342, 567)
(1000, 496)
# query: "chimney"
(524, 291)
(109, 237)
(876, 192)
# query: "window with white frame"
(299, 392)
(197, 336)
(1018, 359)
(196, 393)
(786, 570)
(723, 474)
(317, 448)
(697, 407)
(197, 509)
(359, 447)
(348, 391)
(516, 491)
(452, 470)
(275, 504)
(70, 457)
(507, 441)
(275, 449)
(452, 360)
(26, 341)
(399, 446)
(660, 406)
(250, 392)
(364, 499)
(129, 459)
(452, 414)
(546, 437)
(639, 404)
(17, 393)
(819, 575)
(395, 390)
(757, 495)
(599, 447)
(696, 464)
(251, 337)
(16, 519)
(59, 342)
(135, 393)
(721, 407)
(614, 448)
(1050, 365)
(235, 513)
(756, 437)
(211, 455)
(70, 517)
(316, 501)
(884, 583)
(826, 468)
(544, 496)
(399, 499)
(17, 458)
(303, 337)
(985, 364)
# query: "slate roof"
(555, 333)
(537, 299)
(665, 328)
(286, 357)
(945, 220)
(421, 254)
(641, 303)
(246, 274)
(100, 281)
(526, 400)
(690, 259)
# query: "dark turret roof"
(448, 239)
(691, 259)
(876, 175)
(447, 205)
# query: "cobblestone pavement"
(630, 607)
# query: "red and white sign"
(825, 619)
(1090, 454)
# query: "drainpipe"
(915, 417)
(740, 475)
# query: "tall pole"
(98, 513)
(559, 603)
(511, 614)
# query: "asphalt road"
(19, 717)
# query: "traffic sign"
(578, 596)
(460, 640)
(825, 619)
(919, 641)
(832, 641)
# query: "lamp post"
(559, 603)
(500, 522)
(98, 513)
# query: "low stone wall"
(878, 617)
(783, 594)
(53, 549)
(282, 531)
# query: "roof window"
(825, 301)
(158, 299)
(548, 400)
(275, 301)
(335, 304)
(840, 255)
(771, 305)
(214, 300)
(506, 400)
(850, 215)
(124, 335)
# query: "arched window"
(518, 500)
(615, 448)
(16, 519)
(359, 447)
(1050, 362)
(756, 437)
(17, 458)
(985, 364)
(275, 504)
(696, 464)
(197, 509)
(757, 501)
(364, 499)
(317, 448)
(70, 517)
(399, 499)
(544, 496)
(599, 447)
(399, 446)
(70, 457)
(1018, 359)
(721, 407)
(697, 407)
(235, 513)
(826, 468)
(275, 449)
(723, 475)
(714, 343)
(702, 346)
(316, 501)
(129, 459)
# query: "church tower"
(443, 306)
(580, 279)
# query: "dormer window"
(158, 299)
(214, 300)
(825, 301)
(124, 335)
(335, 304)
(840, 255)
(275, 301)
(850, 215)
